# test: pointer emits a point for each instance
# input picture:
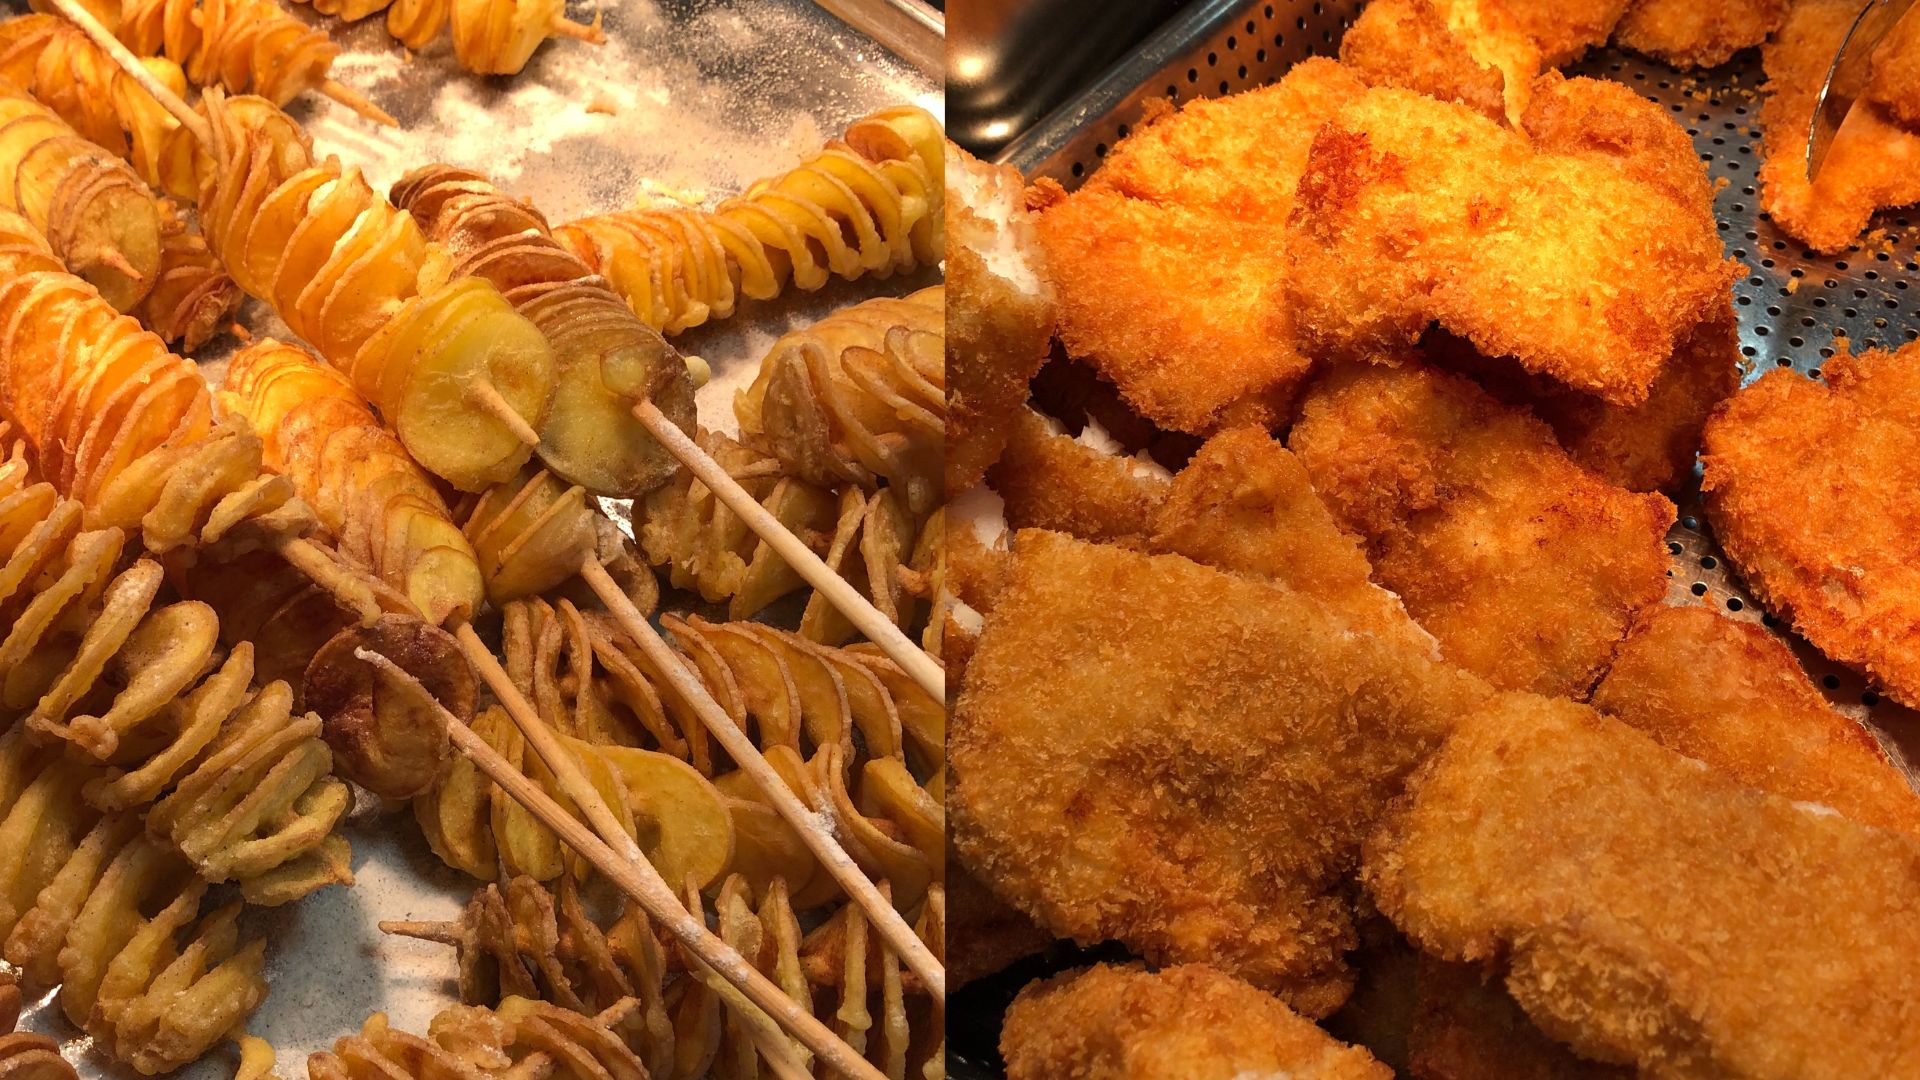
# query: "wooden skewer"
(487, 396)
(814, 826)
(587, 32)
(358, 102)
(321, 569)
(634, 876)
(825, 580)
(137, 71)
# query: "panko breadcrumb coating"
(1810, 488)
(1873, 164)
(1052, 481)
(1245, 504)
(1731, 695)
(999, 312)
(1565, 29)
(1652, 911)
(1183, 1023)
(1466, 1027)
(1894, 79)
(1525, 566)
(1169, 262)
(1698, 33)
(1184, 760)
(1413, 212)
(1469, 51)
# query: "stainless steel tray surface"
(1791, 306)
(688, 100)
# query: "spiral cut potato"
(440, 360)
(522, 941)
(100, 219)
(520, 1039)
(120, 425)
(534, 532)
(192, 298)
(857, 398)
(366, 491)
(25, 1056)
(490, 37)
(606, 359)
(94, 905)
(868, 205)
(63, 69)
(245, 46)
(884, 550)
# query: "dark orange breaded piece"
(984, 935)
(1653, 911)
(999, 312)
(1184, 760)
(1168, 263)
(1051, 481)
(1414, 212)
(1894, 80)
(1245, 504)
(1609, 123)
(1467, 51)
(1872, 163)
(1565, 29)
(1731, 695)
(1810, 487)
(1698, 33)
(1466, 1027)
(1183, 1023)
(1525, 566)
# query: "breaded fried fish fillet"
(1183, 1023)
(1811, 488)
(1413, 212)
(1048, 480)
(1469, 51)
(1651, 911)
(1698, 33)
(1184, 760)
(1526, 567)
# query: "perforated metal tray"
(1790, 306)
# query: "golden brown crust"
(984, 935)
(1894, 82)
(1181, 759)
(1809, 487)
(1526, 567)
(1182, 1023)
(1051, 481)
(1466, 1027)
(1413, 211)
(1689, 33)
(1469, 51)
(1652, 911)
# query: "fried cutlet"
(1466, 1027)
(1245, 504)
(1051, 481)
(1893, 82)
(1564, 30)
(1467, 51)
(1184, 760)
(984, 935)
(1651, 911)
(1168, 263)
(1810, 487)
(1413, 212)
(1181, 1023)
(1527, 568)
(1731, 695)
(1872, 162)
(999, 312)
(1693, 33)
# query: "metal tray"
(688, 99)
(1790, 307)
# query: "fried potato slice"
(1809, 489)
(383, 737)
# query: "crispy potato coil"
(350, 10)
(193, 298)
(534, 532)
(57, 63)
(606, 358)
(27, 1056)
(521, 1038)
(490, 37)
(344, 269)
(91, 903)
(246, 46)
(867, 205)
(858, 397)
(98, 216)
(121, 425)
(366, 490)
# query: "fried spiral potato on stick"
(534, 533)
(65, 70)
(605, 358)
(193, 297)
(490, 37)
(868, 205)
(521, 1038)
(858, 397)
(319, 433)
(464, 381)
(98, 216)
